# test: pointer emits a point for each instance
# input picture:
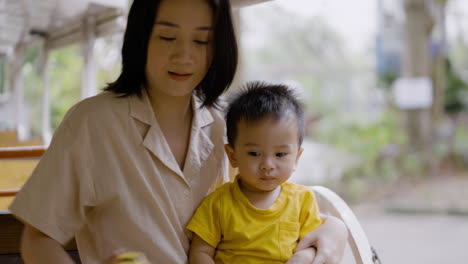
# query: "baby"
(258, 218)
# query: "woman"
(128, 167)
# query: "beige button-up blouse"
(109, 178)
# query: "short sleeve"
(310, 215)
(57, 195)
(206, 222)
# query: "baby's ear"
(231, 155)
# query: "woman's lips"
(179, 76)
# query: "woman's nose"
(183, 53)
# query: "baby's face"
(266, 152)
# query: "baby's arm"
(305, 256)
(200, 251)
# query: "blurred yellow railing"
(26, 152)
(16, 165)
(8, 193)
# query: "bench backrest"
(10, 238)
(332, 204)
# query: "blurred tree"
(65, 80)
(416, 63)
(303, 49)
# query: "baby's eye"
(254, 154)
(201, 42)
(281, 154)
(166, 38)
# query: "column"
(44, 70)
(16, 83)
(88, 77)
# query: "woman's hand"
(305, 256)
(329, 240)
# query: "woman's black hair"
(141, 19)
(257, 101)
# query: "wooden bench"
(10, 237)
(10, 227)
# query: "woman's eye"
(254, 154)
(166, 38)
(281, 154)
(201, 42)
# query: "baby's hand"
(127, 257)
(305, 256)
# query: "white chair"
(332, 204)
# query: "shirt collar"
(140, 108)
(200, 143)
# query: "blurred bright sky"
(357, 20)
(457, 19)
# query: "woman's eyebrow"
(170, 24)
(167, 24)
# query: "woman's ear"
(231, 155)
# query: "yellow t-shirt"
(242, 233)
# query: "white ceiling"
(24, 20)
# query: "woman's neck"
(174, 117)
(170, 108)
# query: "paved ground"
(434, 237)
(409, 238)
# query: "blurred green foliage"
(386, 80)
(454, 91)
(65, 80)
(65, 66)
(379, 144)
(2, 73)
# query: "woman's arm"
(305, 256)
(329, 240)
(200, 251)
(38, 248)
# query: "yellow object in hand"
(132, 257)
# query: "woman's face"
(180, 47)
